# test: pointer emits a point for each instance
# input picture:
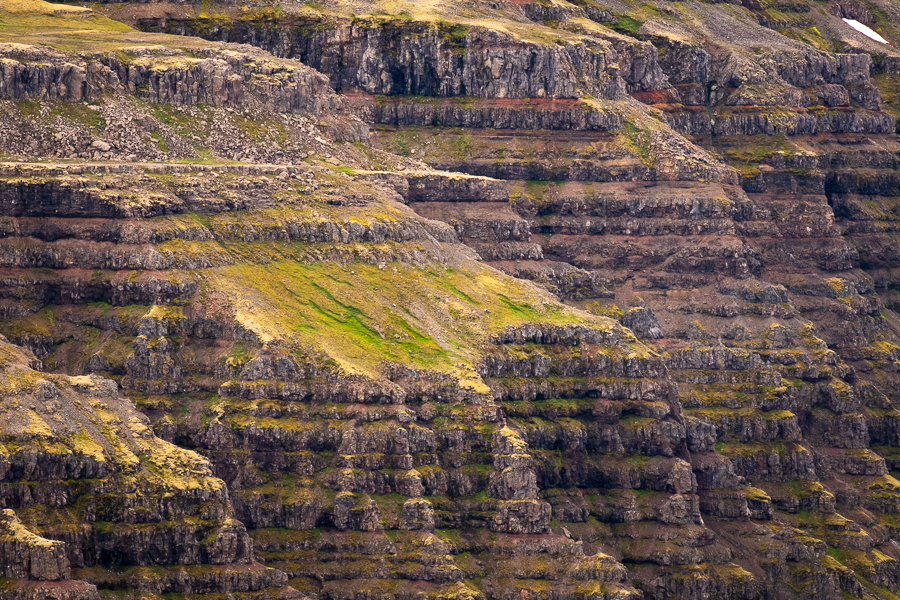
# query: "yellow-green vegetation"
(808, 35)
(637, 141)
(756, 494)
(780, 14)
(863, 564)
(751, 450)
(885, 487)
(259, 129)
(77, 113)
(723, 394)
(362, 315)
(452, 22)
(408, 141)
(541, 194)
(84, 443)
(24, 17)
(610, 310)
(11, 527)
(627, 25)
(840, 286)
(515, 441)
(556, 408)
(176, 118)
(95, 427)
(57, 25)
(889, 85)
(177, 469)
(74, 28)
(806, 489)
(719, 413)
(727, 572)
(747, 153)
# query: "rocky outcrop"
(409, 58)
(29, 556)
(162, 509)
(565, 114)
(221, 77)
(712, 416)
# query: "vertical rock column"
(33, 562)
(514, 484)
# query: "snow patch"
(865, 30)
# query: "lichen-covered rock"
(223, 77)
(392, 418)
(410, 58)
(136, 500)
(418, 514)
(357, 512)
(29, 556)
(522, 516)
(642, 322)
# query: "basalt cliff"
(450, 300)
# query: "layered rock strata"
(92, 495)
(393, 419)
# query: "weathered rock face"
(221, 77)
(392, 419)
(222, 90)
(400, 57)
(766, 341)
(305, 448)
(99, 490)
(677, 67)
(29, 556)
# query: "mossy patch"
(28, 16)
(627, 25)
(637, 141)
(363, 315)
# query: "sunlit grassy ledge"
(428, 316)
